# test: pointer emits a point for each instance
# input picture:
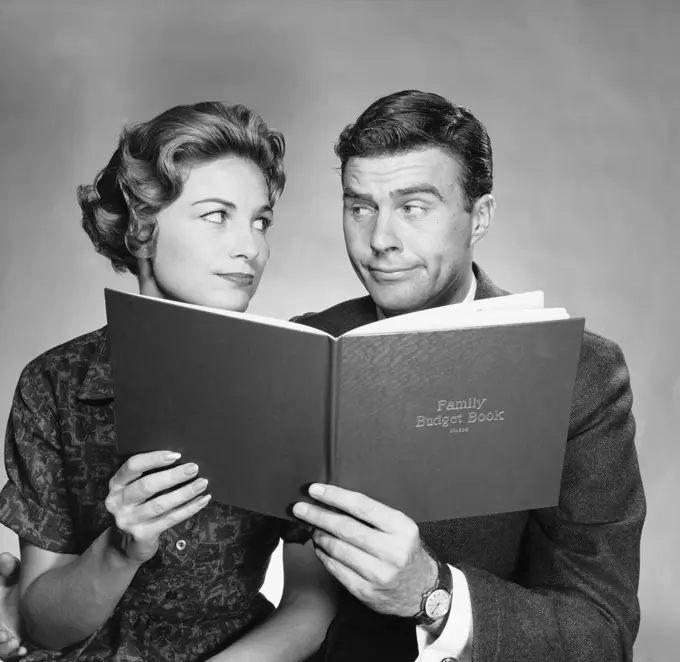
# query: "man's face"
(407, 233)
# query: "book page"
(471, 319)
(455, 315)
(256, 319)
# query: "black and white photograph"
(339, 331)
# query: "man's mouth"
(390, 273)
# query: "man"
(552, 584)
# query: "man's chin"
(392, 303)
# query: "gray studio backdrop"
(580, 101)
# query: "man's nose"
(384, 236)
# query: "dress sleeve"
(34, 501)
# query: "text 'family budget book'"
(451, 412)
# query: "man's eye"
(413, 209)
(217, 216)
(360, 211)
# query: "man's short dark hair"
(411, 120)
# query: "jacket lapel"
(485, 287)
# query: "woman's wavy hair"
(147, 171)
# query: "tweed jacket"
(554, 584)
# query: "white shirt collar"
(472, 291)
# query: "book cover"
(454, 412)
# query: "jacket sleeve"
(575, 597)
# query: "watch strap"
(444, 581)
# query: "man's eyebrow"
(349, 192)
(428, 189)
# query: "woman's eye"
(262, 224)
(217, 216)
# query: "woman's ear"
(147, 281)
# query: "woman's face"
(212, 245)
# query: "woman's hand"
(140, 515)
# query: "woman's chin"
(231, 297)
(236, 301)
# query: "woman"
(122, 564)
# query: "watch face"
(438, 603)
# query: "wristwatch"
(436, 601)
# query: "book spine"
(333, 407)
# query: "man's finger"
(360, 506)
(346, 528)
(355, 584)
(367, 566)
(145, 487)
(136, 465)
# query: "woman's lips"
(238, 278)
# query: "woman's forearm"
(292, 633)
(67, 604)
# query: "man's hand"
(374, 551)
(140, 515)
(9, 606)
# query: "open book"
(451, 412)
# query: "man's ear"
(482, 215)
(147, 281)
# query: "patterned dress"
(200, 592)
